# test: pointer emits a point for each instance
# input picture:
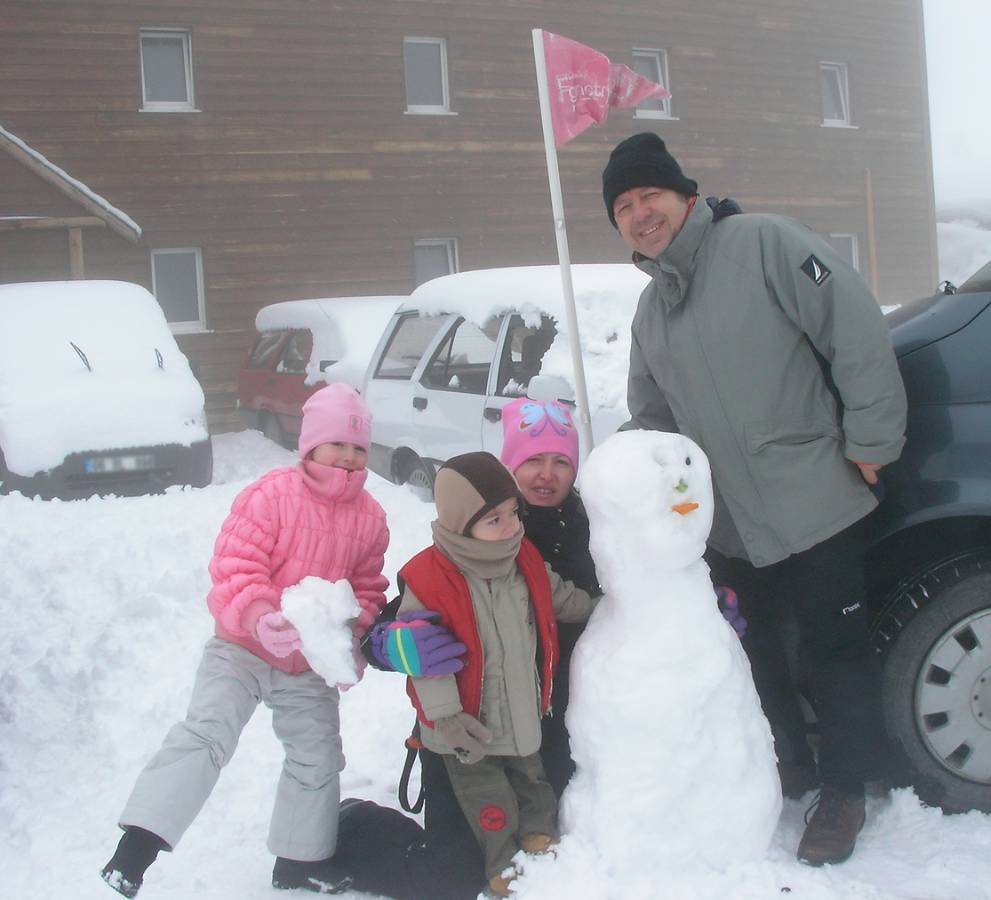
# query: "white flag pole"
(561, 235)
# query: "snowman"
(675, 762)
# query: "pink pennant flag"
(583, 84)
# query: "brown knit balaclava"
(470, 485)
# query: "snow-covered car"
(464, 345)
(302, 345)
(930, 564)
(95, 395)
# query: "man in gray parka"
(762, 345)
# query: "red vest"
(439, 586)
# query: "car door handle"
(493, 413)
(419, 403)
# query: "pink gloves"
(277, 635)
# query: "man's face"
(649, 218)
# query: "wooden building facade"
(283, 149)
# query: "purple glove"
(416, 645)
(729, 606)
(277, 635)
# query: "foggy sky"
(959, 67)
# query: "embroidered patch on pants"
(816, 269)
(492, 817)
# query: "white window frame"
(840, 73)
(189, 326)
(854, 240)
(661, 58)
(450, 244)
(184, 35)
(425, 109)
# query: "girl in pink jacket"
(312, 519)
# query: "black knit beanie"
(642, 161)
(468, 486)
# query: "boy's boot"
(536, 843)
(136, 851)
(831, 832)
(322, 876)
(499, 885)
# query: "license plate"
(101, 465)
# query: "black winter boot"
(322, 876)
(135, 851)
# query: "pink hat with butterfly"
(530, 427)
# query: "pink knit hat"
(335, 413)
(530, 427)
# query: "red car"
(302, 345)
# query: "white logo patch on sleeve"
(816, 269)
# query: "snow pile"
(346, 331)
(964, 246)
(104, 624)
(321, 612)
(90, 365)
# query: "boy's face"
(500, 523)
(340, 455)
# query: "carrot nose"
(684, 508)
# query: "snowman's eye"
(688, 460)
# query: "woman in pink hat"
(314, 518)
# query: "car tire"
(271, 428)
(419, 475)
(937, 681)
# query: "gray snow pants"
(230, 683)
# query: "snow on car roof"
(345, 330)
(606, 296)
(80, 370)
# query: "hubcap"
(419, 481)
(953, 698)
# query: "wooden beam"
(875, 280)
(40, 223)
(76, 272)
(67, 187)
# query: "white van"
(465, 345)
(95, 395)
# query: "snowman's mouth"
(684, 508)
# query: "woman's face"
(545, 479)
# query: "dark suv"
(930, 563)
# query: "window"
(835, 94)
(177, 283)
(408, 343)
(425, 65)
(522, 355)
(166, 70)
(653, 65)
(463, 360)
(845, 246)
(264, 350)
(297, 354)
(433, 258)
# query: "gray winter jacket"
(735, 342)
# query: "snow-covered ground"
(964, 238)
(103, 621)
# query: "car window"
(409, 341)
(463, 360)
(523, 354)
(296, 355)
(264, 350)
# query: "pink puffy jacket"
(285, 526)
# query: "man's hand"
(868, 471)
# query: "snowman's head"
(653, 491)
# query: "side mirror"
(544, 388)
